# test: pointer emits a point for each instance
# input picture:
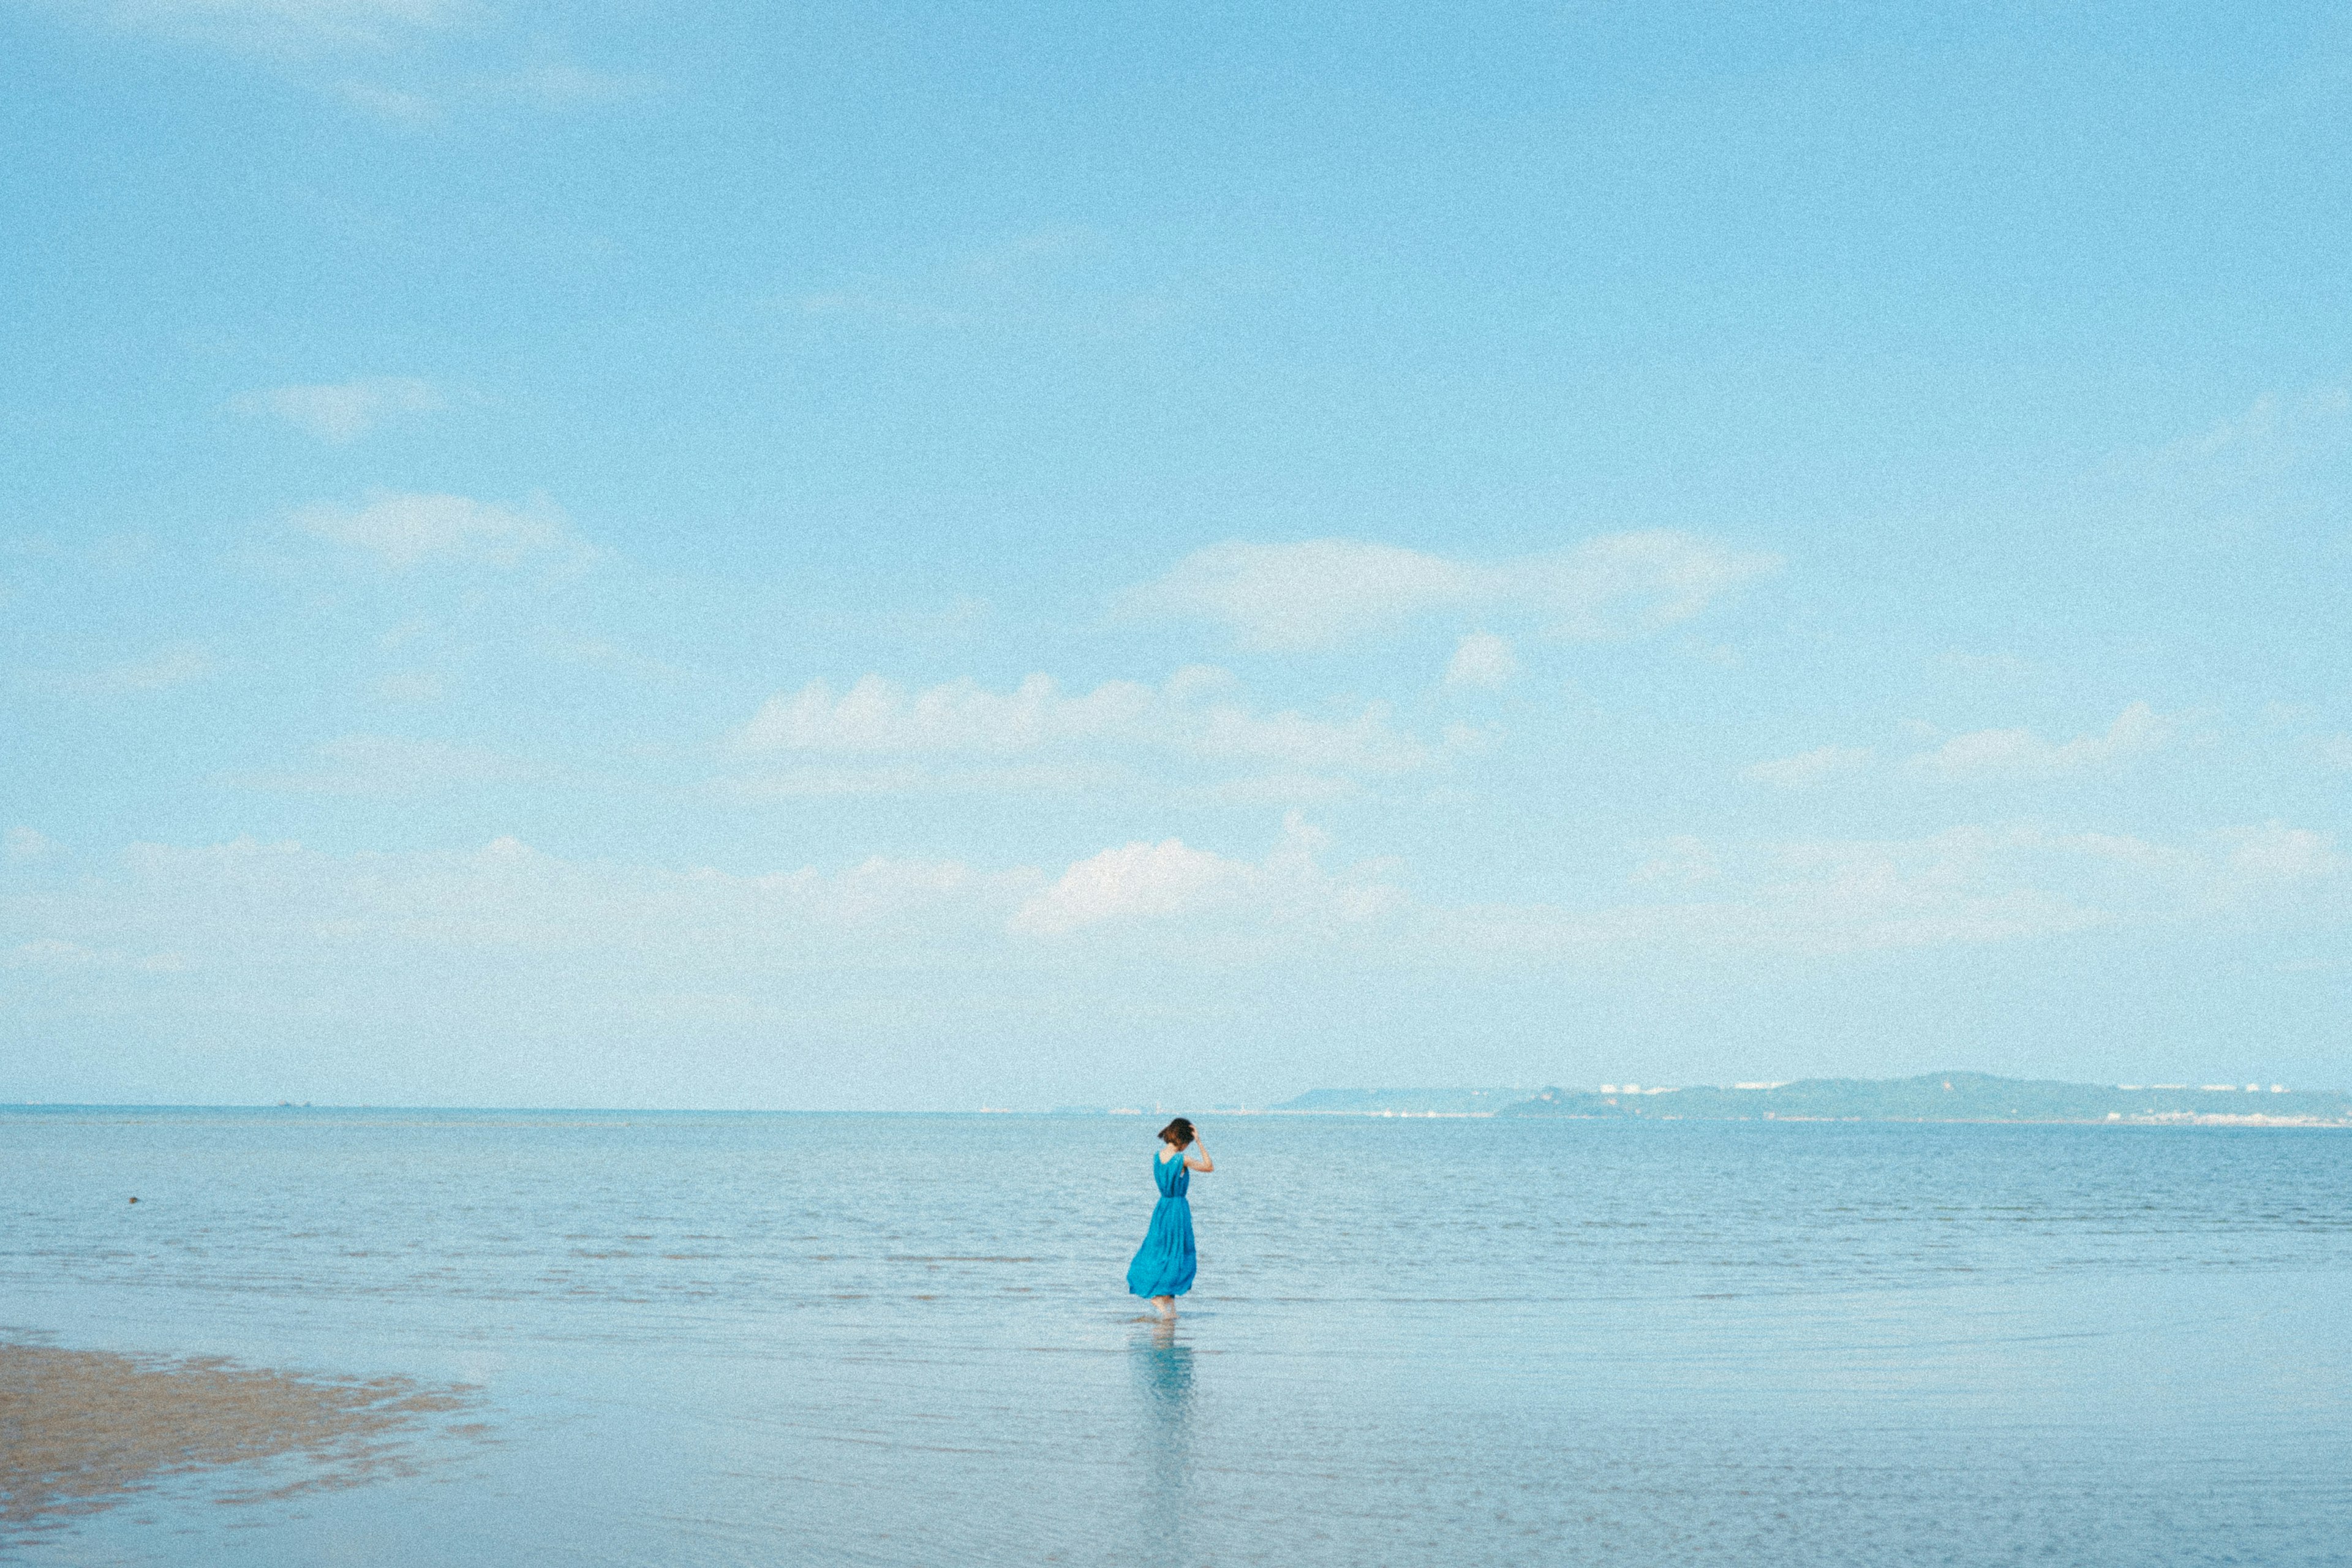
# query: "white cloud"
(344, 411)
(1325, 592)
(392, 766)
(2021, 753)
(1195, 714)
(1809, 768)
(2336, 751)
(1169, 880)
(403, 530)
(1481, 659)
(1132, 881)
(1962, 885)
(235, 909)
(487, 931)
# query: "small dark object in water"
(134, 1200)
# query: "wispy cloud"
(2271, 436)
(591, 652)
(1807, 769)
(1481, 658)
(1022, 279)
(395, 105)
(877, 305)
(230, 908)
(834, 781)
(342, 411)
(2001, 665)
(2273, 852)
(403, 530)
(551, 85)
(71, 958)
(1326, 591)
(559, 84)
(412, 63)
(182, 664)
(2023, 754)
(27, 844)
(411, 686)
(292, 26)
(1965, 886)
(392, 766)
(2279, 461)
(1197, 714)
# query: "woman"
(1163, 1264)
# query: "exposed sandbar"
(81, 1429)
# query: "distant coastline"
(1946, 1097)
(1968, 1097)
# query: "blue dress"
(1164, 1264)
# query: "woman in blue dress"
(1163, 1264)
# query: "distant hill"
(1954, 1097)
(1405, 1101)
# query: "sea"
(784, 1339)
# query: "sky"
(920, 556)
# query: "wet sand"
(81, 1430)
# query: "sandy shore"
(81, 1429)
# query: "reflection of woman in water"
(1163, 1264)
(1163, 1378)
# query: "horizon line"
(1278, 1109)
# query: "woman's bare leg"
(1164, 1305)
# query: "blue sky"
(907, 557)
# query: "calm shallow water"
(720, 1339)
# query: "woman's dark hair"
(1179, 1132)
